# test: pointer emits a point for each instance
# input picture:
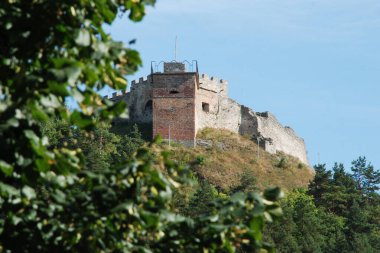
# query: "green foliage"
(201, 201)
(85, 212)
(235, 223)
(101, 148)
(128, 144)
(123, 127)
(367, 178)
(247, 182)
(304, 227)
(200, 160)
(338, 213)
(55, 50)
(282, 162)
(67, 183)
(301, 166)
(353, 201)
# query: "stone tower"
(173, 96)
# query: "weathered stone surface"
(180, 103)
(204, 143)
(172, 67)
(284, 138)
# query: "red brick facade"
(174, 106)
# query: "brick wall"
(174, 106)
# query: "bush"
(201, 160)
(282, 163)
(247, 182)
(301, 166)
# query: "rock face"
(180, 103)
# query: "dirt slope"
(225, 158)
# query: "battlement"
(213, 84)
(116, 94)
(140, 81)
(205, 77)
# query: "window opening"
(205, 107)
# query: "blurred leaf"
(80, 120)
(6, 168)
(28, 192)
(83, 38)
(8, 189)
(273, 194)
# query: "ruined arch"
(148, 106)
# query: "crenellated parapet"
(116, 95)
(141, 81)
(216, 80)
(213, 84)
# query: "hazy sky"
(314, 64)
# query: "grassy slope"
(231, 155)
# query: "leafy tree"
(321, 182)
(201, 202)
(367, 178)
(304, 227)
(247, 182)
(350, 197)
(98, 146)
(59, 133)
(49, 201)
(237, 218)
(283, 232)
(335, 190)
(129, 143)
(343, 192)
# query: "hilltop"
(227, 160)
(177, 102)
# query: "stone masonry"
(179, 103)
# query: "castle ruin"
(178, 103)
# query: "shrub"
(282, 163)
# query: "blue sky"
(314, 64)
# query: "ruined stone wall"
(249, 123)
(229, 115)
(117, 96)
(213, 107)
(174, 107)
(139, 100)
(225, 113)
(283, 138)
